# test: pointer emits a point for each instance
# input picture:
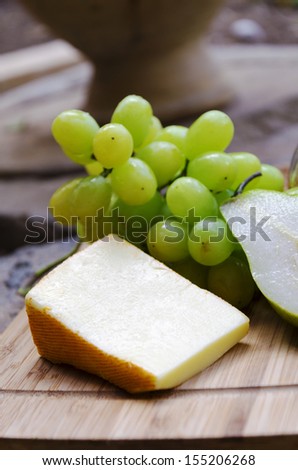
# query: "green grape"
(164, 158)
(272, 178)
(223, 196)
(209, 242)
(213, 131)
(167, 241)
(61, 202)
(148, 211)
(133, 222)
(246, 164)
(74, 131)
(91, 195)
(94, 168)
(134, 113)
(112, 145)
(134, 182)
(240, 253)
(175, 135)
(187, 197)
(232, 281)
(292, 191)
(165, 211)
(90, 229)
(86, 231)
(193, 271)
(216, 171)
(154, 129)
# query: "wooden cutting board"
(247, 399)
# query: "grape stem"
(106, 172)
(244, 183)
(40, 272)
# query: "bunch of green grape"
(161, 189)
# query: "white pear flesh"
(271, 250)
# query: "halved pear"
(266, 224)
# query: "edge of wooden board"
(249, 443)
(188, 415)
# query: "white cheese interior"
(131, 306)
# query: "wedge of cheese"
(116, 312)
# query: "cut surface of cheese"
(115, 311)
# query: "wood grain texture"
(250, 393)
(33, 62)
(26, 115)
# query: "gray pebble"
(247, 30)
